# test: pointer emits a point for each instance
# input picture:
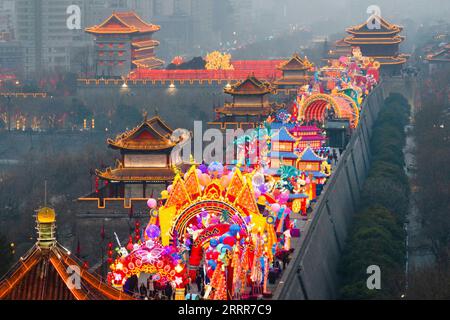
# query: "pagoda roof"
(341, 43)
(137, 174)
(250, 86)
(149, 63)
(400, 59)
(314, 137)
(141, 44)
(124, 23)
(309, 155)
(236, 109)
(296, 63)
(42, 275)
(283, 135)
(150, 135)
(306, 129)
(318, 174)
(385, 28)
(279, 125)
(352, 40)
(442, 55)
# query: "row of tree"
(432, 186)
(377, 236)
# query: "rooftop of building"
(383, 28)
(296, 63)
(136, 174)
(42, 273)
(250, 86)
(151, 135)
(309, 155)
(123, 23)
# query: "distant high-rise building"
(163, 7)
(242, 18)
(7, 20)
(144, 8)
(202, 18)
(41, 27)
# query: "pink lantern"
(275, 207)
(152, 203)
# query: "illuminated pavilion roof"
(42, 274)
(309, 155)
(148, 63)
(250, 86)
(151, 135)
(137, 174)
(372, 40)
(296, 63)
(386, 28)
(123, 23)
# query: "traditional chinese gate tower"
(124, 42)
(295, 74)
(145, 166)
(250, 105)
(379, 41)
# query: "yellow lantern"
(296, 206)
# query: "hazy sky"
(349, 11)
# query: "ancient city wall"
(312, 273)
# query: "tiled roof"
(309, 155)
(251, 85)
(153, 134)
(124, 23)
(42, 275)
(283, 135)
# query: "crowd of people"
(153, 290)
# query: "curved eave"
(357, 32)
(141, 63)
(248, 93)
(112, 177)
(375, 41)
(305, 68)
(391, 60)
(120, 146)
(437, 60)
(96, 31)
(403, 61)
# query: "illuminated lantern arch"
(315, 106)
(353, 93)
(346, 103)
(216, 207)
(151, 260)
